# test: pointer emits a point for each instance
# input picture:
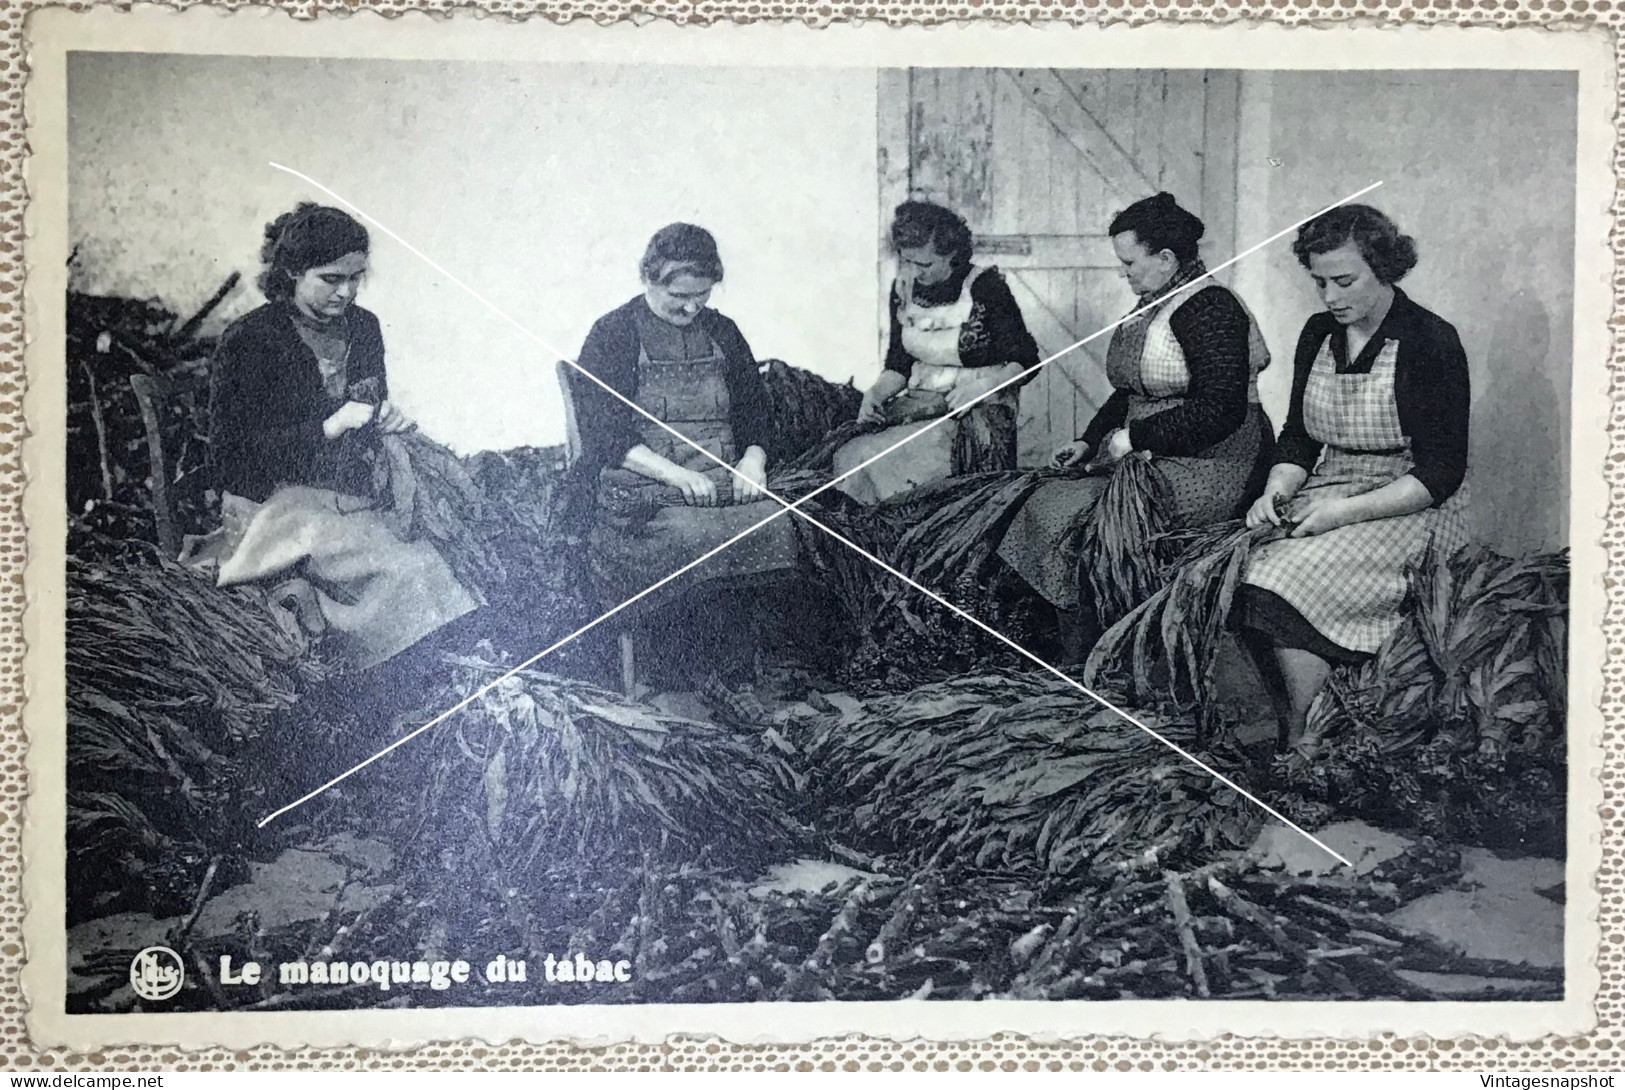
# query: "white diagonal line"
(788, 507)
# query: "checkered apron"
(1350, 582)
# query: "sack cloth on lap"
(378, 594)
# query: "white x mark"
(787, 507)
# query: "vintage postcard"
(599, 532)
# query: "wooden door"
(1038, 161)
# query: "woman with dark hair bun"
(1184, 372)
(660, 503)
(299, 400)
(1370, 467)
(956, 333)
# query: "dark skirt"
(1217, 486)
(629, 555)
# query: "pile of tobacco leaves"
(1023, 772)
(110, 339)
(804, 409)
(174, 690)
(1455, 728)
(943, 537)
(537, 767)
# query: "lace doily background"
(1001, 1052)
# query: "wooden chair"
(293, 601)
(572, 449)
(153, 393)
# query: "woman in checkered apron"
(1369, 467)
(1185, 377)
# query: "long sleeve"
(1212, 329)
(1109, 416)
(1008, 339)
(749, 414)
(260, 436)
(367, 354)
(1432, 390)
(1296, 446)
(896, 359)
(608, 426)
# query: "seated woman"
(661, 504)
(1185, 395)
(1370, 465)
(298, 396)
(956, 333)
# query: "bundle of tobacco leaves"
(804, 408)
(1111, 538)
(544, 768)
(1456, 726)
(170, 682)
(1496, 630)
(1164, 650)
(1020, 771)
(943, 536)
(425, 492)
(110, 339)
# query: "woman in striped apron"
(1369, 467)
(1185, 377)
(956, 333)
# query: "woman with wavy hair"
(1369, 469)
(956, 333)
(299, 400)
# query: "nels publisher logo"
(157, 973)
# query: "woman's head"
(1154, 238)
(314, 257)
(680, 266)
(1355, 255)
(931, 241)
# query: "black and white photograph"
(636, 531)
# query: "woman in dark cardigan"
(1184, 373)
(956, 333)
(1370, 466)
(298, 396)
(662, 504)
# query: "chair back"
(572, 433)
(153, 395)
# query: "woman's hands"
(753, 468)
(1072, 454)
(355, 415)
(391, 420)
(886, 387)
(1268, 509)
(1115, 447)
(351, 416)
(697, 489)
(1321, 515)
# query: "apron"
(981, 440)
(378, 595)
(1350, 583)
(1145, 359)
(639, 537)
(375, 594)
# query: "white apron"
(931, 337)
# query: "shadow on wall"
(1519, 435)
